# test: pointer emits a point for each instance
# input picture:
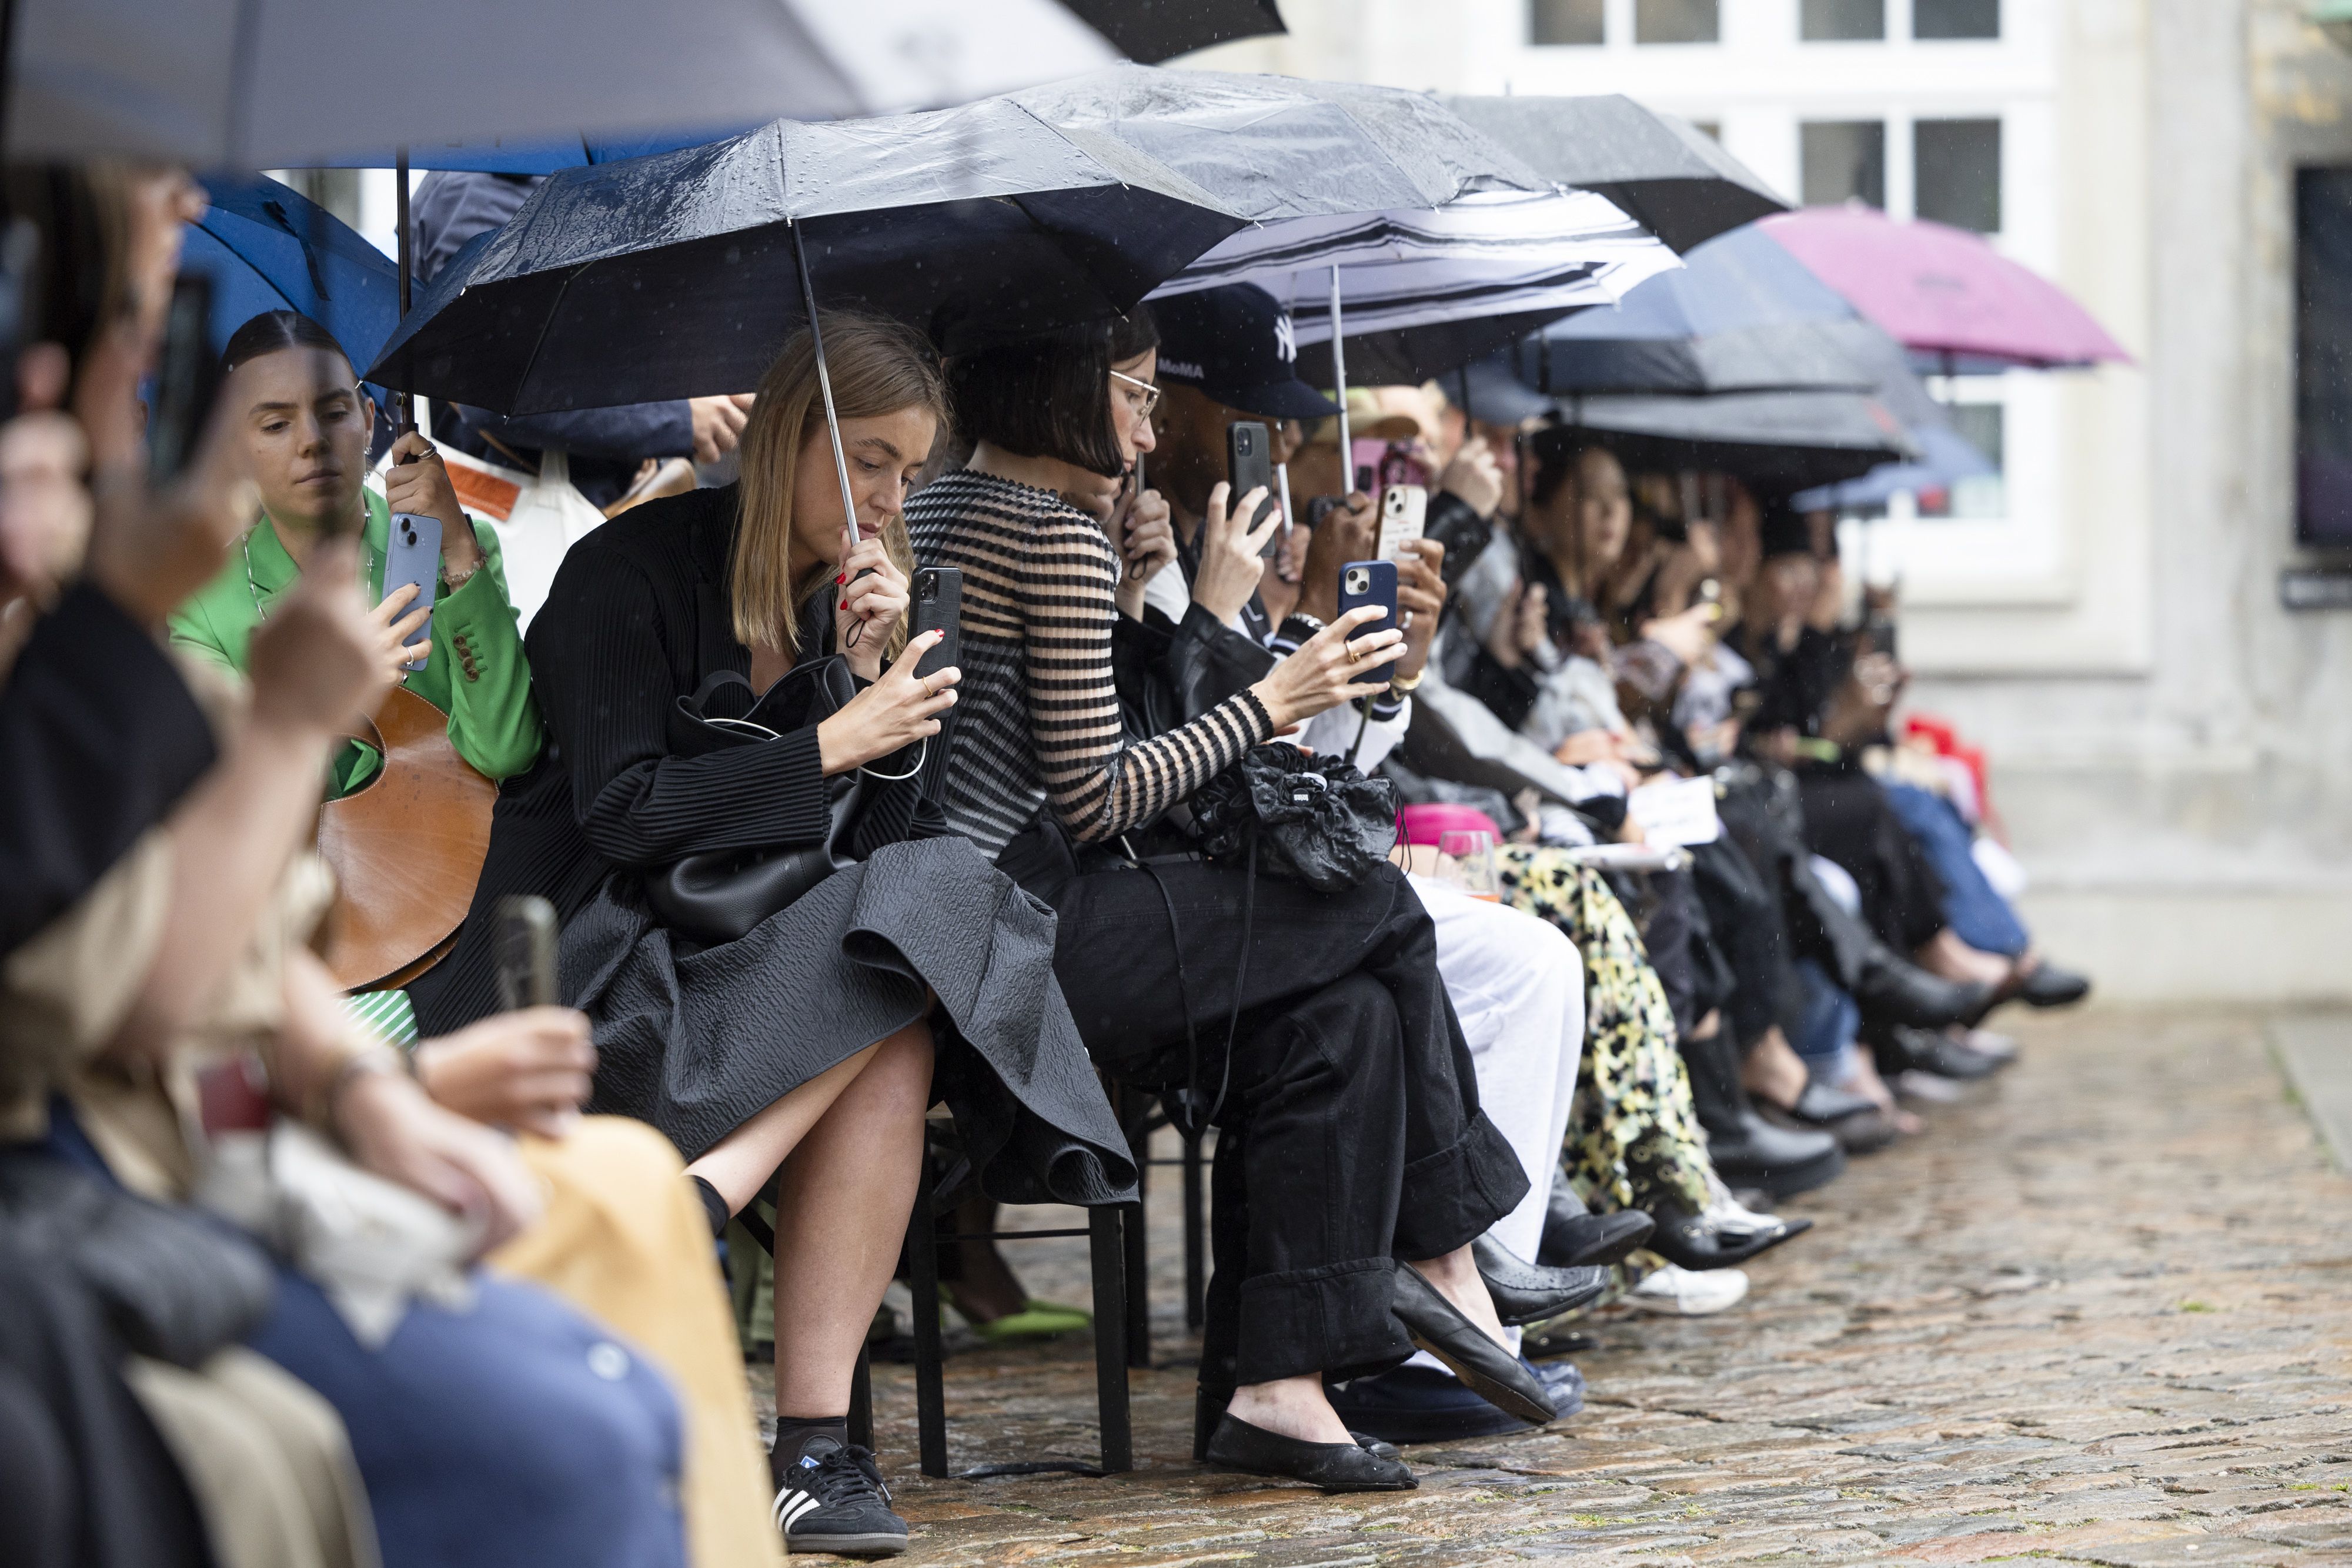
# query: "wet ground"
(2100, 1312)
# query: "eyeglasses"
(1144, 399)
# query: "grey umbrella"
(1781, 439)
(249, 84)
(1669, 176)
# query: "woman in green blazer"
(308, 421)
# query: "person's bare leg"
(1945, 955)
(1772, 1071)
(848, 1188)
(988, 1290)
(1293, 1406)
(1457, 1278)
(739, 1165)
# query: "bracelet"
(1404, 685)
(455, 583)
(359, 1064)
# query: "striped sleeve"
(1098, 785)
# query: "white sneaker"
(1689, 1292)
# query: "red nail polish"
(842, 578)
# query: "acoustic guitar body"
(407, 848)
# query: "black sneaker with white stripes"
(832, 1498)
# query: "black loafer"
(1485, 1368)
(1900, 991)
(1573, 1239)
(1334, 1466)
(1693, 1241)
(2052, 986)
(1526, 1292)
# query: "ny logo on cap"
(1286, 337)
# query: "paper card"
(1679, 811)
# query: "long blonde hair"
(878, 367)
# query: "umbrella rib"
(546, 322)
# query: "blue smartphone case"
(412, 554)
(1369, 582)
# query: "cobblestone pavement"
(2100, 1312)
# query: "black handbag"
(719, 896)
(1309, 818)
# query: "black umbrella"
(1780, 440)
(676, 276)
(1671, 177)
(1150, 31)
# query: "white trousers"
(1517, 985)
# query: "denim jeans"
(1827, 1022)
(1977, 915)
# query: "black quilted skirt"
(696, 1039)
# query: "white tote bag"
(538, 516)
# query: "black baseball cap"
(1235, 343)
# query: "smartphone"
(524, 944)
(412, 554)
(1249, 464)
(1466, 535)
(187, 379)
(1404, 509)
(938, 607)
(1369, 582)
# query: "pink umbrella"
(1943, 292)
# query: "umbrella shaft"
(824, 389)
(407, 247)
(1339, 392)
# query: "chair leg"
(923, 1285)
(1196, 1285)
(1103, 1226)
(1136, 1286)
(861, 1400)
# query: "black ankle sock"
(796, 1434)
(712, 1204)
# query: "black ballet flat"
(1485, 1368)
(1526, 1292)
(1332, 1467)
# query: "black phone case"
(938, 607)
(1249, 464)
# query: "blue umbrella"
(267, 247)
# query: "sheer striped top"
(1038, 714)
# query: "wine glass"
(1465, 857)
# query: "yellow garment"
(625, 1241)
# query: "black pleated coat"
(697, 1038)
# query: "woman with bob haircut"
(1353, 1137)
(804, 1053)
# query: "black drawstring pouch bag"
(1313, 819)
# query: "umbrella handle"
(831, 421)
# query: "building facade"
(2172, 744)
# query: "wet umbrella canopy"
(1784, 439)
(250, 84)
(267, 247)
(673, 276)
(1668, 175)
(1439, 230)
